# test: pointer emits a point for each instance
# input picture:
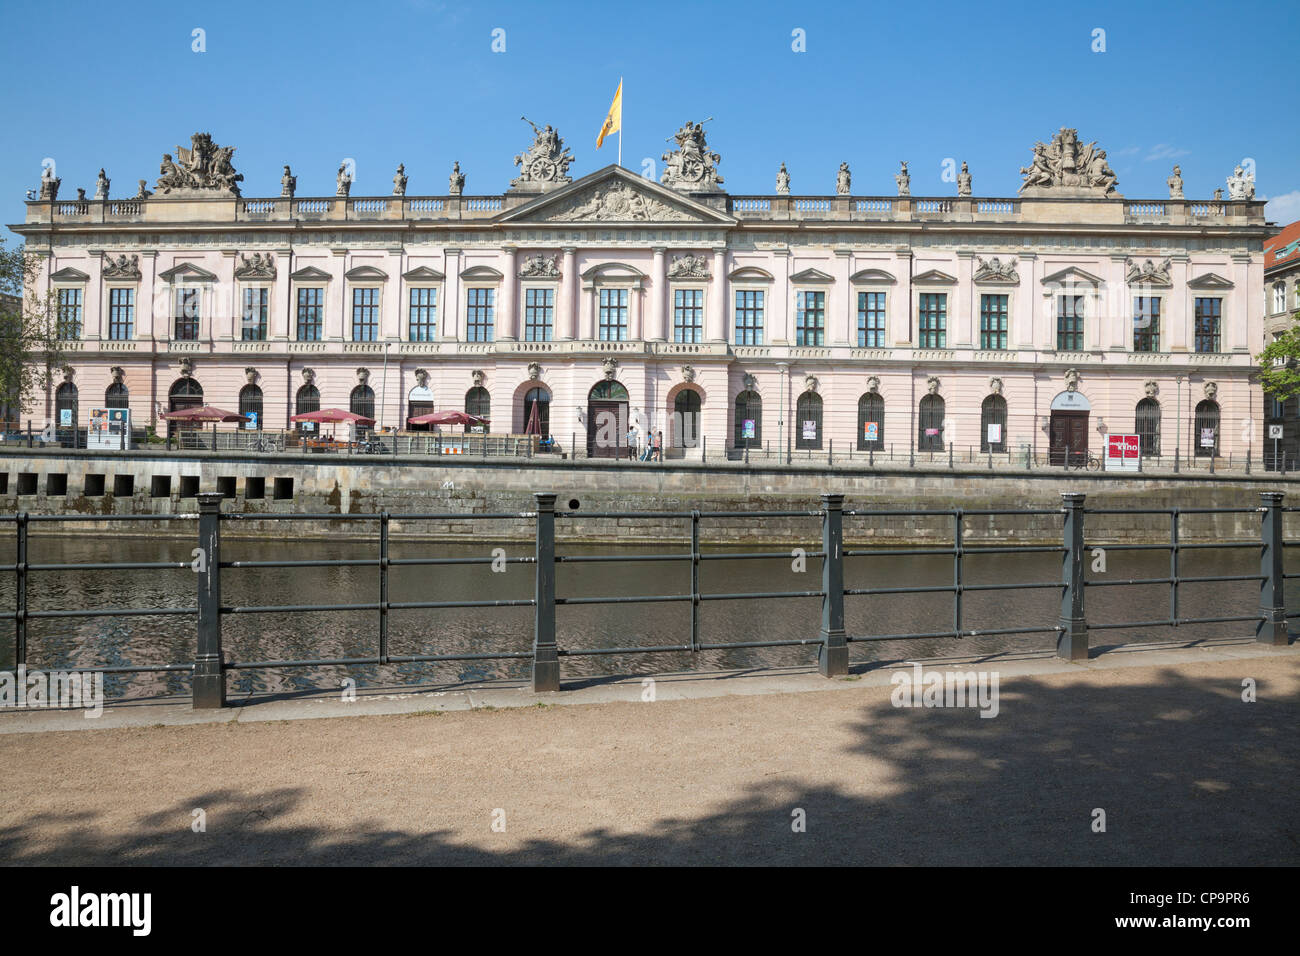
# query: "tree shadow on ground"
(1185, 771)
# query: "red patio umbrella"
(450, 417)
(332, 416)
(204, 413)
(534, 426)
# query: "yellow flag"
(614, 121)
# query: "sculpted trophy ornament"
(119, 375)
(691, 167)
(250, 375)
(343, 181)
(963, 180)
(995, 270)
(363, 376)
(309, 376)
(932, 385)
(399, 180)
(688, 373)
(49, 183)
(456, 182)
(1211, 390)
(610, 366)
(543, 266)
(810, 383)
(1065, 167)
(121, 267)
(101, 185)
(904, 180)
(1150, 272)
(545, 164)
(873, 383)
(1241, 185)
(257, 266)
(782, 181)
(81, 195)
(478, 376)
(187, 367)
(995, 386)
(203, 167)
(534, 371)
(843, 180)
(1151, 388)
(750, 381)
(689, 267)
(1175, 183)
(422, 378)
(288, 184)
(1071, 379)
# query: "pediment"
(423, 274)
(311, 274)
(750, 274)
(873, 275)
(614, 195)
(1211, 280)
(69, 274)
(935, 277)
(365, 272)
(187, 270)
(613, 270)
(811, 275)
(482, 272)
(1072, 275)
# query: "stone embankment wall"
(67, 482)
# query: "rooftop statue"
(843, 180)
(1241, 185)
(691, 167)
(545, 163)
(782, 181)
(904, 180)
(1175, 183)
(1067, 166)
(963, 180)
(204, 166)
(49, 183)
(101, 185)
(399, 180)
(456, 182)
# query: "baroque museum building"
(817, 321)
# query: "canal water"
(121, 641)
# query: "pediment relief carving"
(614, 195)
(187, 270)
(1210, 280)
(1072, 275)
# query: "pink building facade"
(779, 322)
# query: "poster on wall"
(995, 434)
(65, 418)
(1122, 452)
(931, 432)
(747, 428)
(810, 431)
(1207, 437)
(110, 428)
(251, 424)
(871, 431)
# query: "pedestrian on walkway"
(659, 445)
(631, 443)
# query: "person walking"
(631, 443)
(659, 446)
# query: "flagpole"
(620, 121)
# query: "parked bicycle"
(1082, 460)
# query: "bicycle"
(1085, 460)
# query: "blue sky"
(417, 81)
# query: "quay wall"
(60, 481)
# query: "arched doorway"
(1206, 435)
(993, 424)
(250, 403)
(116, 396)
(540, 399)
(65, 414)
(362, 401)
(478, 402)
(808, 421)
(749, 420)
(185, 392)
(871, 422)
(686, 419)
(606, 420)
(307, 400)
(1068, 429)
(418, 402)
(929, 424)
(1146, 422)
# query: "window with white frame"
(422, 318)
(539, 314)
(70, 313)
(613, 315)
(749, 317)
(365, 314)
(121, 313)
(688, 315)
(255, 313)
(480, 314)
(185, 315)
(1279, 297)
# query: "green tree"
(31, 347)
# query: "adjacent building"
(787, 321)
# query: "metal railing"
(211, 666)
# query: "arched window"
(540, 399)
(609, 391)
(607, 420)
(307, 400)
(871, 422)
(749, 420)
(186, 392)
(116, 396)
(686, 419)
(479, 404)
(1147, 425)
(362, 401)
(1206, 436)
(993, 424)
(808, 421)
(929, 430)
(250, 403)
(65, 410)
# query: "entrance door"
(607, 420)
(184, 393)
(1069, 431)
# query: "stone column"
(507, 318)
(449, 311)
(715, 319)
(656, 327)
(567, 323)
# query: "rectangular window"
(480, 314)
(1279, 298)
(613, 315)
(1208, 314)
(810, 318)
(69, 314)
(423, 320)
(749, 316)
(993, 321)
(365, 315)
(688, 315)
(187, 315)
(257, 307)
(1069, 323)
(539, 314)
(871, 320)
(121, 314)
(310, 310)
(1146, 324)
(933, 314)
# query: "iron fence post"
(209, 686)
(695, 581)
(20, 594)
(833, 652)
(1248, 461)
(1072, 639)
(1272, 629)
(546, 657)
(383, 587)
